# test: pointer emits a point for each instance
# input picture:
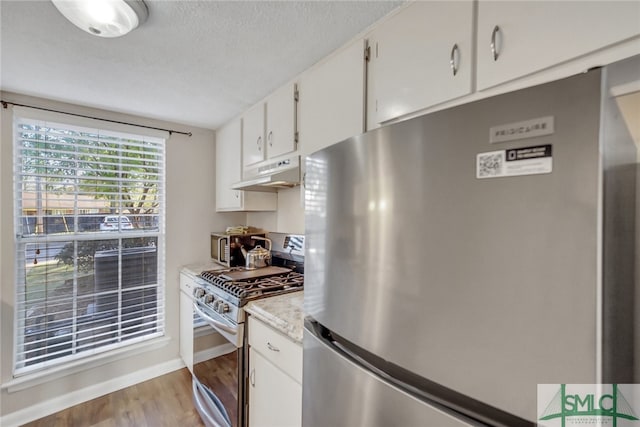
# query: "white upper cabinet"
(420, 57)
(229, 171)
(253, 121)
(281, 127)
(228, 168)
(332, 103)
(269, 127)
(517, 38)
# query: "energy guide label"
(514, 162)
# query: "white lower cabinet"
(186, 320)
(275, 399)
(275, 378)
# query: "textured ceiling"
(194, 62)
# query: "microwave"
(228, 249)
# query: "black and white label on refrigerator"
(515, 162)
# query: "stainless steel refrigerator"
(458, 259)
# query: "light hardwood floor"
(162, 401)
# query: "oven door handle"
(215, 323)
(212, 417)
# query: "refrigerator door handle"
(465, 408)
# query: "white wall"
(289, 218)
(190, 217)
(291, 210)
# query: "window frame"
(83, 124)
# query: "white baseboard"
(51, 406)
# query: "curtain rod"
(171, 131)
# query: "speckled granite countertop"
(195, 269)
(283, 312)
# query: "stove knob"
(216, 304)
(198, 292)
(224, 308)
(208, 299)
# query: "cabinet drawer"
(187, 284)
(277, 348)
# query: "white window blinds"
(89, 225)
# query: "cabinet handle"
(494, 47)
(259, 142)
(237, 194)
(252, 377)
(272, 347)
(454, 60)
(270, 138)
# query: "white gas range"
(219, 298)
(220, 295)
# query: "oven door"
(217, 368)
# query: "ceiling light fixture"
(104, 18)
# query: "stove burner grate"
(245, 290)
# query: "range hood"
(282, 172)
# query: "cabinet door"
(186, 327)
(410, 61)
(332, 100)
(534, 35)
(228, 166)
(275, 399)
(228, 172)
(278, 348)
(253, 149)
(280, 132)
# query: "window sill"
(36, 378)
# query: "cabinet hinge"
(367, 53)
(296, 98)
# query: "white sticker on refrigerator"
(515, 162)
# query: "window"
(89, 226)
